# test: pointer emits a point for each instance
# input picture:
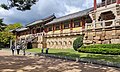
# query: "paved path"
(9, 63)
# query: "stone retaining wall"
(102, 36)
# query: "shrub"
(113, 49)
(103, 46)
(78, 42)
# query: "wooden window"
(77, 23)
(66, 25)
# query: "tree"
(13, 26)
(19, 4)
(2, 25)
(6, 35)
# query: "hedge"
(78, 42)
(113, 49)
(103, 46)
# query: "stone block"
(108, 37)
(103, 34)
(113, 32)
(118, 32)
(84, 38)
(87, 41)
(98, 33)
(102, 38)
(90, 38)
(94, 33)
(115, 41)
(106, 42)
(97, 38)
(108, 33)
(90, 33)
(115, 37)
(98, 42)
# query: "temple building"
(99, 25)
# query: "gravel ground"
(19, 63)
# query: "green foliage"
(103, 46)
(13, 26)
(78, 42)
(2, 25)
(19, 4)
(5, 37)
(101, 49)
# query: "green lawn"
(72, 53)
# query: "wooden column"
(95, 4)
(83, 23)
(60, 26)
(54, 27)
(118, 1)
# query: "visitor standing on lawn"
(13, 49)
(18, 49)
(24, 47)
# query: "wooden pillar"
(54, 27)
(71, 26)
(83, 23)
(95, 4)
(45, 30)
(118, 1)
(61, 27)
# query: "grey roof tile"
(71, 16)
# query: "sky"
(43, 9)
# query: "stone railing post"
(85, 26)
(94, 24)
(103, 23)
(113, 24)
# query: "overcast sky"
(44, 8)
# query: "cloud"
(44, 8)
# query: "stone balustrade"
(103, 24)
(107, 2)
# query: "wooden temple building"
(99, 25)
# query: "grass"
(74, 54)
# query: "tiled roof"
(35, 22)
(42, 20)
(71, 16)
(21, 29)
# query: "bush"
(78, 42)
(113, 49)
(103, 46)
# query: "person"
(13, 48)
(18, 49)
(47, 50)
(42, 50)
(24, 47)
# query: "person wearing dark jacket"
(13, 49)
(18, 49)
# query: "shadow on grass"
(68, 54)
(109, 58)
